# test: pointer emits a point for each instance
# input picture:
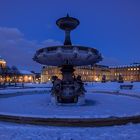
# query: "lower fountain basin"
(96, 106)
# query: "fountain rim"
(51, 49)
(85, 48)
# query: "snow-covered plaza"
(9, 131)
(103, 100)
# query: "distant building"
(2, 63)
(49, 71)
(128, 72)
(37, 77)
(100, 71)
(13, 74)
(88, 73)
(25, 76)
(92, 73)
(96, 73)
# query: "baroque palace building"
(128, 72)
(88, 73)
(96, 73)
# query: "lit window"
(131, 68)
(128, 69)
(134, 68)
(137, 68)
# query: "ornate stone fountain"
(69, 89)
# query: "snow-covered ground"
(97, 105)
(28, 87)
(41, 85)
(92, 87)
(114, 87)
(9, 131)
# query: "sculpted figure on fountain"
(60, 88)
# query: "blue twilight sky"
(111, 26)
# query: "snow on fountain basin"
(97, 106)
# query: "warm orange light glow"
(96, 78)
(30, 78)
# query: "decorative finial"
(67, 24)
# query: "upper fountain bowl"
(67, 23)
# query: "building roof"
(1, 59)
(124, 66)
(25, 72)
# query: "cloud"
(10, 33)
(50, 42)
(19, 51)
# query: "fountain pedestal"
(70, 88)
(67, 73)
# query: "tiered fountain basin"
(67, 54)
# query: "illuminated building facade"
(2, 66)
(49, 71)
(13, 75)
(100, 71)
(88, 73)
(25, 77)
(2, 63)
(129, 73)
(96, 73)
